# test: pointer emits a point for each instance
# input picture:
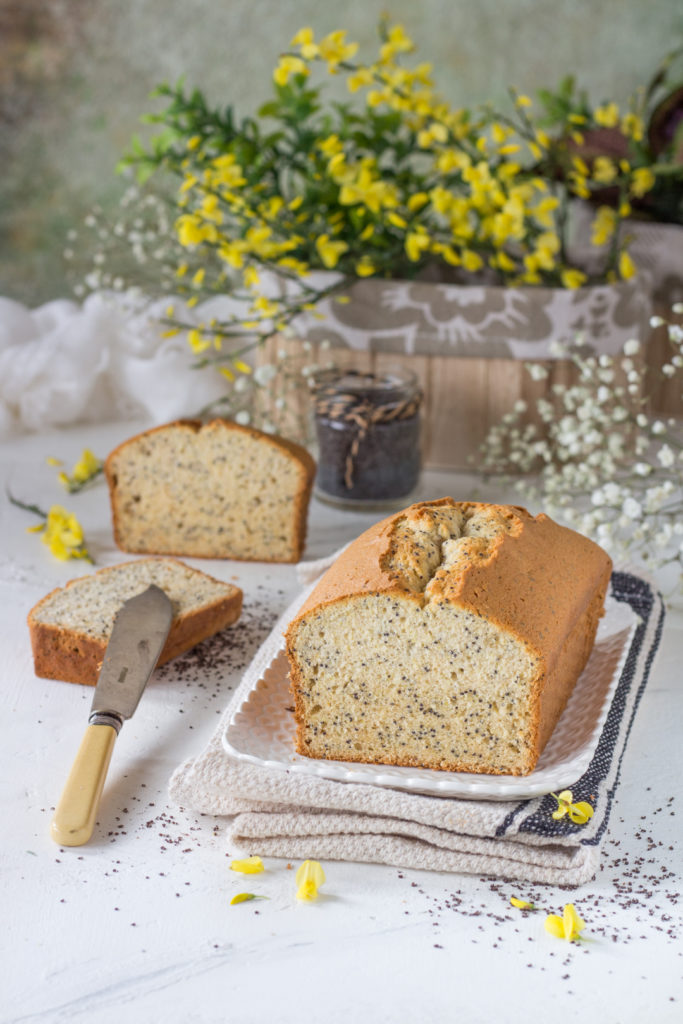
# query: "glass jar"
(368, 433)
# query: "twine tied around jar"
(360, 413)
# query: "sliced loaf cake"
(448, 636)
(71, 626)
(213, 491)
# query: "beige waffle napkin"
(279, 813)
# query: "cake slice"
(71, 626)
(213, 491)
(448, 636)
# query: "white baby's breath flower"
(642, 469)
(666, 456)
(536, 371)
(632, 509)
(632, 347)
(663, 536)
(658, 427)
(613, 493)
(243, 417)
(656, 321)
(264, 374)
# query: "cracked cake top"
(526, 573)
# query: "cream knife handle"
(74, 818)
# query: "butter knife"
(137, 639)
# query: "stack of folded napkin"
(281, 813)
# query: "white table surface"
(137, 925)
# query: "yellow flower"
(627, 267)
(521, 904)
(604, 170)
(266, 307)
(251, 277)
(63, 534)
(415, 244)
(359, 79)
(643, 180)
(396, 220)
(309, 877)
(305, 41)
(87, 466)
(86, 469)
(568, 927)
(197, 342)
(334, 49)
(632, 125)
(452, 160)
(248, 866)
(189, 230)
(417, 201)
(287, 67)
(330, 251)
(472, 261)
(603, 226)
(547, 246)
(544, 209)
(365, 267)
(572, 278)
(331, 145)
(244, 897)
(436, 132)
(523, 101)
(506, 264)
(579, 813)
(607, 116)
(368, 190)
(52, 461)
(397, 42)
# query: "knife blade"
(137, 638)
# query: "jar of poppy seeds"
(368, 431)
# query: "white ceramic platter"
(261, 731)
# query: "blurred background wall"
(75, 76)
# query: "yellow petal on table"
(248, 866)
(566, 927)
(309, 877)
(521, 904)
(581, 813)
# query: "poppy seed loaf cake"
(214, 491)
(448, 636)
(71, 626)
